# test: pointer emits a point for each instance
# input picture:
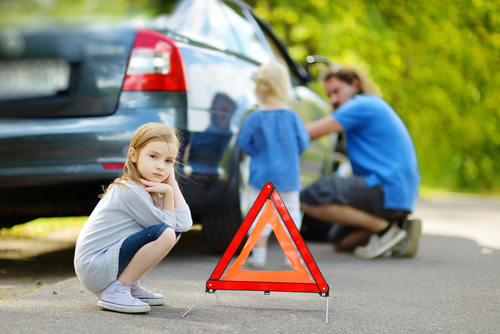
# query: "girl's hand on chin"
(170, 180)
(156, 187)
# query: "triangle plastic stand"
(271, 208)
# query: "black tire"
(219, 229)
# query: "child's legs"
(292, 203)
(141, 251)
(264, 237)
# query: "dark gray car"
(71, 99)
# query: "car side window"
(245, 32)
(278, 54)
(203, 21)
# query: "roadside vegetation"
(41, 227)
(435, 63)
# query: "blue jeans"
(136, 241)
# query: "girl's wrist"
(168, 189)
(172, 183)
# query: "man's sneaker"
(378, 245)
(409, 246)
(117, 297)
(153, 299)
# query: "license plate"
(28, 78)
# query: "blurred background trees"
(433, 61)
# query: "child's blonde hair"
(272, 82)
(142, 136)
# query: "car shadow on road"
(26, 275)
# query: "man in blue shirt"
(370, 207)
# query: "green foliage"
(29, 12)
(41, 226)
(434, 62)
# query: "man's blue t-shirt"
(274, 139)
(380, 149)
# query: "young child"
(274, 136)
(135, 224)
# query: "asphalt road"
(451, 286)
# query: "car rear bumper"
(35, 176)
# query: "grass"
(41, 227)
(31, 289)
(427, 192)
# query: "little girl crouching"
(135, 224)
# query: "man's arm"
(323, 126)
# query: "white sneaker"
(377, 246)
(258, 257)
(153, 299)
(254, 261)
(117, 297)
(409, 246)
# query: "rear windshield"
(203, 21)
(222, 25)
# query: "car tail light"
(113, 166)
(155, 64)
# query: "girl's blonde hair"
(348, 74)
(142, 136)
(272, 82)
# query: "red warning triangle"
(298, 275)
(298, 280)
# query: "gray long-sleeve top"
(124, 210)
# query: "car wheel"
(220, 228)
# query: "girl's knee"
(168, 236)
